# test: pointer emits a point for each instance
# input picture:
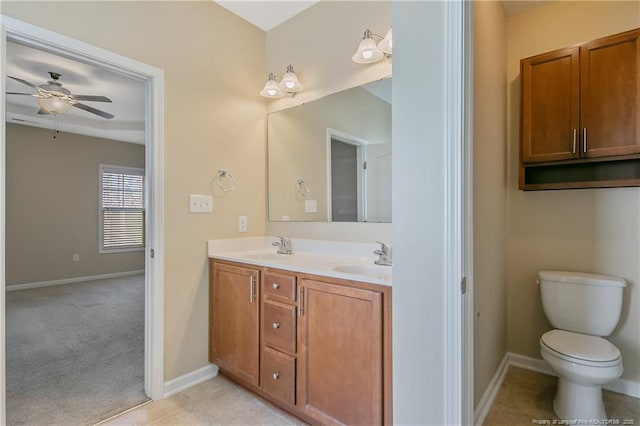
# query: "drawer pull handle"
(275, 376)
(275, 286)
(275, 325)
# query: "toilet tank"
(581, 302)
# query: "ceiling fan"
(55, 99)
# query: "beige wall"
(594, 230)
(489, 190)
(298, 147)
(319, 43)
(214, 65)
(52, 205)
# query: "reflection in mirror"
(330, 159)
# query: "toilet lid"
(581, 346)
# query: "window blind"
(122, 208)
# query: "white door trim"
(458, 350)
(153, 77)
(3, 79)
(467, 213)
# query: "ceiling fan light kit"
(55, 99)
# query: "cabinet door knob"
(275, 376)
(275, 325)
(275, 286)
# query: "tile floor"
(527, 396)
(215, 402)
(524, 397)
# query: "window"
(122, 209)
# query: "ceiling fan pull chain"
(56, 125)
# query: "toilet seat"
(581, 349)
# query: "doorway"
(30, 35)
(346, 177)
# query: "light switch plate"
(200, 203)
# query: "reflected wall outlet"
(200, 203)
(76, 257)
(310, 206)
(243, 224)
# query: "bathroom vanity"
(316, 344)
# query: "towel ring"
(225, 181)
(302, 188)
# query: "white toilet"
(582, 307)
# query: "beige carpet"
(75, 353)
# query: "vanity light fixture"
(276, 86)
(369, 52)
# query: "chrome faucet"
(384, 255)
(284, 246)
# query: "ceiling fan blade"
(18, 93)
(93, 110)
(91, 98)
(25, 82)
(43, 112)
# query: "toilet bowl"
(583, 363)
(582, 307)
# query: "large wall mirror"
(330, 159)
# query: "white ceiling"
(266, 14)
(33, 65)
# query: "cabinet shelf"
(576, 175)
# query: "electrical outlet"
(243, 224)
(200, 203)
(76, 257)
(310, 206)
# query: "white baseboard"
(623, 386)
(193, 378)
(72, 280)
(481, 411)
(528, 363)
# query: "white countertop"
(351, 261)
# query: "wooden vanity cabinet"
(323, 344)
(234, 320)
(580, 106)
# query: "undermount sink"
(267, 256)
(372, 270)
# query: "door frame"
(458, 356)
(15, 30)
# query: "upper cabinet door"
(550, 106)
(610, 79)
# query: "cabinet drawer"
(279, 326)
(280, 286)
(278, 375)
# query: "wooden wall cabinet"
(580, 105)
(324, 344)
